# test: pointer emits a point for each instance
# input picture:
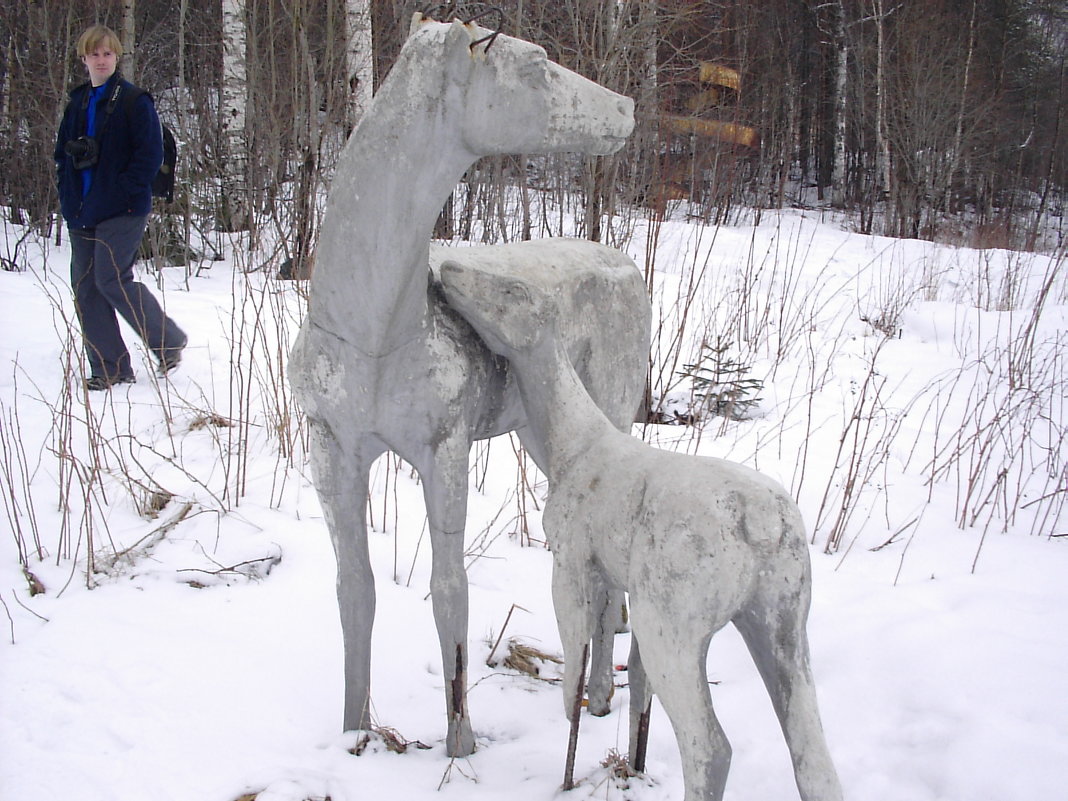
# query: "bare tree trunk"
(234, 208)
(7, 122)
(1047, 184)
(183, 10)
(882, 147)
(129, 39)
(596, 186)
(648, 105)
(5, 88)
(958, 133)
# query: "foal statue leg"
(641, 702)
(674, 661)
(609, 605)
(773, 627)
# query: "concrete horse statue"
(697, 543)
(381, 362)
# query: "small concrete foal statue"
(697, 542)
(382, 363)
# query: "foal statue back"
(381, 361)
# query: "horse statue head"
(505, 96)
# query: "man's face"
(101, 64)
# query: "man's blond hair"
(96, 37)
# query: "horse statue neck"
(447, 101)
(393, 177)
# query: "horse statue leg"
(445, 493)
(341, 480)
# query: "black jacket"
(131, 151)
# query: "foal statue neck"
(560, 412)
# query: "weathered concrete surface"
(697, 542)
(381, 362)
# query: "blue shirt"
(90, 131)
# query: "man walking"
(107, 154)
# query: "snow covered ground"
(202, 657)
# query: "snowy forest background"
(921, 119)
(855, 251)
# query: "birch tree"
(882, 146)
(129, 39)
(840, 66)
(234, 211)
(358, 58)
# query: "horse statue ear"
(418, 18)
(458, 48)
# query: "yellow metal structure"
(719, 90)
(702, 145)
(729, 132)
(718, 75)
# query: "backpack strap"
(88, 91)
(129, 97)
(112, 101)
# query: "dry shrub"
(392, 739)
(212, 419)
(619, 768)
(525, 658)
(154, 502)
(395, 742)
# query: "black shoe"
(172, 357)
(97, 383)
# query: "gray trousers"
(101, 274)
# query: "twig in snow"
(10, 619)
(493, 650)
